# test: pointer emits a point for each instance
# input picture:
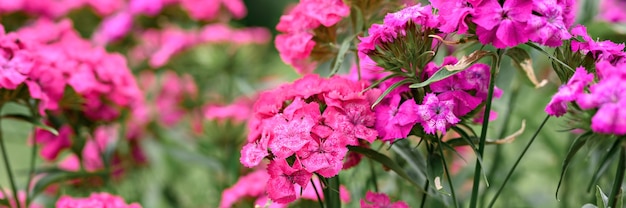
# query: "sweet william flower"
(569, 92)
(324, 155)
(394, 120)
(94, 200)
(295, 48)
(502, 25)
(280, 187)
(380, 200)
(436, 114)
(548, 26)
(452, 14)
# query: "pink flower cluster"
(612, 11)
(605, 97)
(159, 46)
(380, 200)
(310, 122)
(254, 185)
(297, 42)
(56, 9)
(117, 25)
(511, 23)
(95, 200)
(447, 102)
(395, 25)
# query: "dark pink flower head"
(436, 114)
(394, 120)
(355, 119)
(296, 20)
(380, 200)
(324, 155)
(502, 25)
(295, 49)
(16, 61)
(612, 10)
(569, 92)
(280, 187)
(548, 26)
(95, 200)
(452, 14)
(326, 12)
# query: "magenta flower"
(612, 10)
(502, 25)
(452, 14)
(600, 50)
(326, 12)
(379, 200)
(94, 200)
(280, 187)
(395, 120)
(569, 92)
(324, 155)
(251, 185)
(436, 114)
(113, 28)
(548, 26)
(354, 120)
(53, 145)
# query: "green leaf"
(605, 163)
(61, 176)
(415, 160)
(435, 171)
(383, 159)
(388, 90)
(449, 70)
(601, 199)
(5, 202)
(579, 142)
(523, 62)
(331, 192)
(32, 120)
(538, 48)
(469, 141)
(341, 55)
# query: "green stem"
(331, 193)
(319, 199)
(31, 172)
(508, 176)
(424, 196)
(445, 167)
(374, 179)
(7, 165)
(483, 133)
(616, 192)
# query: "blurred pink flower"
(113, 28)
(95, 200)
(380, 200)
(52, 145)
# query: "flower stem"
(7, 165)
(445, 166)
(483, 134)
(425, 195)
(31, 172)
(616, 192)
(508, 176)
(331, 192)
(319, 199)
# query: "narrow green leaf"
(579, 142)
(523, 62)
(341, 55)
(388, 90)
(449, 70)
(32, 120)
(435, 171)
(57, 177)
(601, 199)
(605, 163)
(469, 141)
(383, 159)
(415, 160)
(535, 46)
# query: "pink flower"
(280, 187)
(201, 9)
(147, 7)
(569, 92)
(453, 13)
(236, 7)
(380, 200)
(323, 155)
(113, 28)
(436, 114)
(296, 20)
(355, 120)
(289, 136)
(295, 49)
(326, 12)
(251, 185)
(395, 120)
(95, 200)
(599, 50)
(502, 25)
(612, 11)
(549, 27)
(53, 145)
(253, 153)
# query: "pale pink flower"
(436, 114)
